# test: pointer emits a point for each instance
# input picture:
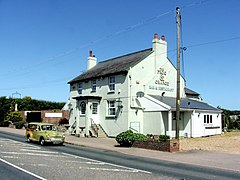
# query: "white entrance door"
(95, 113)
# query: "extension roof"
(191, 92)
(118, 65)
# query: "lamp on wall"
(70, 106)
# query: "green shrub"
(14, 116)
(127, 138)
(164, 137)
(19, 124)
(139, 137)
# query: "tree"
(236, 124)
(5, 105)
(231, 123)
(24, 104)
(14, 117)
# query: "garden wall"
(161, 145)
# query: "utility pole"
(178, 102)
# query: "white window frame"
(94, 108)
(82, 108)
(111, 83)
(208, 119)
(80, 88)
(94, 85)
(111, 105)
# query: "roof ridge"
(125, 55)
(115, 65)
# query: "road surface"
(75, 162)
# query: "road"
(8, 171)
(75, 162)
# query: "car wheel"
(28, 139)
(42, 141)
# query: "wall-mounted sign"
(53, 115)
(161, 80)
(161, 88)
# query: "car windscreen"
(48, 128)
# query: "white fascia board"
(151, 104)
(207, 111)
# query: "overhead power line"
(38, 85)
(214, 42)
(109, 36)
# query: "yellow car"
(43, 133)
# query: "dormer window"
(94, 85)
(80, 88)
(111, 83)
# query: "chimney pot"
(155, 36)
(163, 37)
(90, 53)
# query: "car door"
(36, 133)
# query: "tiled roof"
(185, 103)
(113, 66)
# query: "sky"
(45, 44)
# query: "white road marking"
(32, 154)
(4, 140)
(31, 147)
(11, 157)
(36, 165)
(21, 169)
(109, 169)
(88, 162)
(115, 165)
(32, 150)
